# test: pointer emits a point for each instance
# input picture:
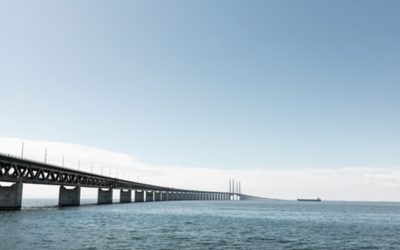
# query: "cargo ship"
(314, 200)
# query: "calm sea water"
(204, 225)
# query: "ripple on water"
(205, 225)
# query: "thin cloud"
(344, 183)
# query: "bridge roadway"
(19, 171)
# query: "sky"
(222, 85)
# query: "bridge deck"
(14, 169)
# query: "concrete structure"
(105, 196)
(125, 196)
(165, 196)
(149, 196)
(157, 196)
(139, 196)
(17, 170)
(162, 196)
(11, 197)
(69, 197)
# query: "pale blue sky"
(227, 84)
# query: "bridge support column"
(69, 197)
(125, 196)
(105, 196)
(166, 196)
(139, 196)
(11, 197)
(157, 196)
(149, 196)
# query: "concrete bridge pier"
(69, 197)
(105, 196)
(165, 196)
(157, 196)
(125, 196)
(11, 197)
(149, 196)
(139, 196)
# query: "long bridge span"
(19, 171)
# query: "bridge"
(18, 171)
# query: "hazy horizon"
(351, 183)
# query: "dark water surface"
(204, 225)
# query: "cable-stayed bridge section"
(20, 171)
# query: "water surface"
(204, 225)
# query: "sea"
(203, 225)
